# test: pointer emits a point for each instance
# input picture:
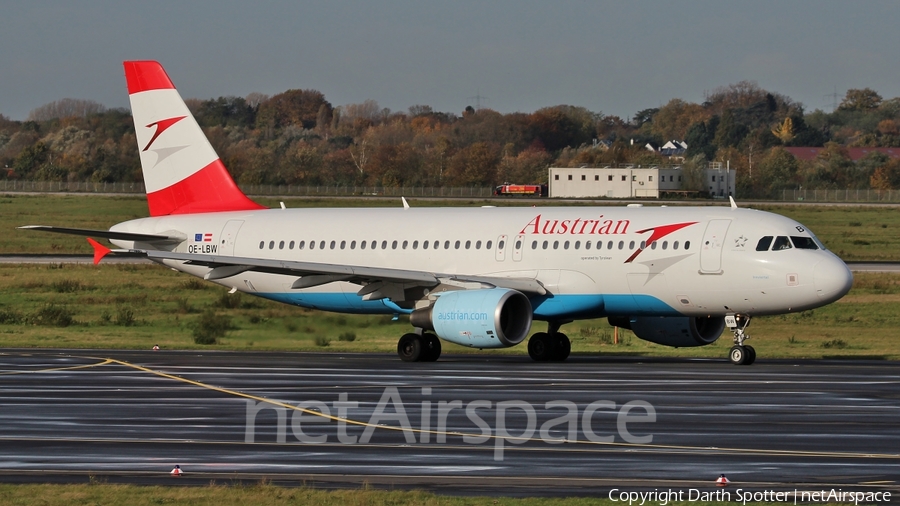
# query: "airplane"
(476, 277)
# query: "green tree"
(729, 132)
(776, 171)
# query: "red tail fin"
(182, 172)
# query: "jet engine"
(675, 331)
(490, 318)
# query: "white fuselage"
(703, 260)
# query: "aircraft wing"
(310, 274)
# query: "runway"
(487, 427)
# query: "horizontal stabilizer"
(108, 234)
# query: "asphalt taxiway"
(465, 424)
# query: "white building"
(635, 182)
(617, 183)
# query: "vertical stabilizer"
(182, 172)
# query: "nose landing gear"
(740, 354)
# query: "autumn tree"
(784, 131)
(67, 107)
(293, 107)
(887, 176)
(473, 165)
(860, 100)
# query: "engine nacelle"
(675, 331)
(491, 318)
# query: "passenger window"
(343, 244)
(394, 245)
(271, 244)
(577, 244)
(425, 245)
(609, 245)
(555, 244)
(262, 244)
(488, 245)
(687, 244)
(415, 244)
(675, 245)
(764, 243)
(291, 245)
(533, 244)
(446, 244)
(312, 244)
(781, 242)
(281, 245)
(362, 244)
(631, 245)
(665, 244)
(301, 244)
(587, 244)
(803, 242)
(405, 244)
(456, 245)
(383, 244)
(566, 245)
(621, 244)
(437, 244)
(653, 245)
(352, 244)
(468, 244)
(545, 244)
(643, 244)
(478, 244)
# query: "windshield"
(803, 242)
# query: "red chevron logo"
(161, 126)
(658, 233)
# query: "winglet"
(733, 205)
(100, 250)
(405, 203)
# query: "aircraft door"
(229, 236)
(518, 245)
(501, 248)
(711, 248)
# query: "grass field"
(854, 233)
(137, 306)
(264, 493)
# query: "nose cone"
(832, 278)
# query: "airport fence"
(6, 185)
(847, 195)
(253, 189)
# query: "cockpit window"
(781, 242)
(764, 243)
(803, 242)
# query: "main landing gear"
(548, 346)
(740, 353)
(423, 347)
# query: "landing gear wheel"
(738, 355)
(431, 348)
(561, 346)
(540, 347)
(751, 354)
(410, 347)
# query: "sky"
(611, 57)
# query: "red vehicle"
(535, 190)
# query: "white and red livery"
(477, 277)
